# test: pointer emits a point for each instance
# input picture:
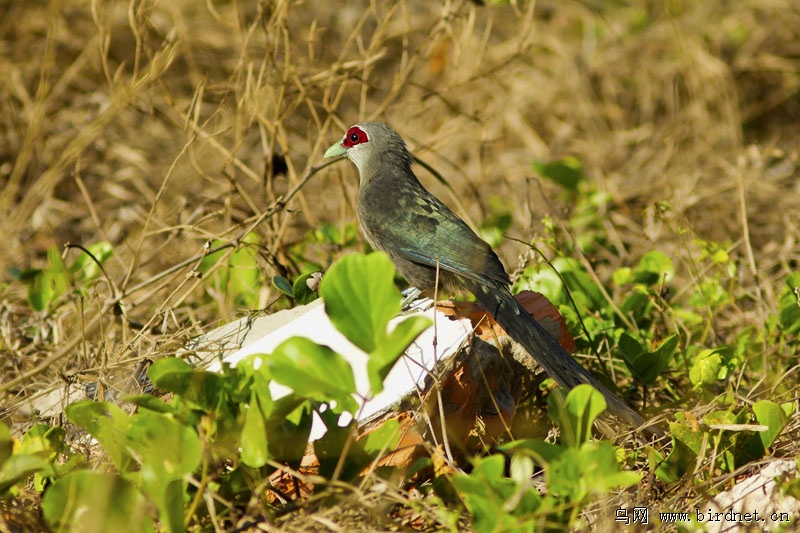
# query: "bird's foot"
(412, 303)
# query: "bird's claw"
(412, 303)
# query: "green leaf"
(45, 285)
(653, 268)
(383, 358)
(382, 439)
(566, 172)
(254, 434)
(681, 461)
(771, 415)
(108, 424)
(622, 276)
(707, 368)
(360, 297)
(588, 470)
(542, 452)
(244, 277)
(646, 366)
(287, 428)
(86, 268)
(301, 291)
(789, 307)
(240, 277)
(170, 373)
(576, 414)
(198, 388)
(684, 430)
(167, 452)
(90, 501)
(6, 443)
(19, 467)
(283, 285)
(496, 502)
(312, 371)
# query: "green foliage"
(567, 173)
(234, 277)
(788, 318)
(727, 435)
(42, 453)
(94, 501)
(585, 305)
(153, 451)
(313, 371)
(498, 222)
(220, 431)
(646, 365)
(360, 299)
(46, 285)
(298, 290)
(576, 473)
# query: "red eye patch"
(354, 136)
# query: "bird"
(429, 244)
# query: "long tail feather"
(558, 364)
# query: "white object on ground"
(245, 337)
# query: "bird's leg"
(409, 303)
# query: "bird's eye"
(354, 136)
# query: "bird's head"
(369, 145)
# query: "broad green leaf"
(622, 276)
(576, 414)
(301, 291)
(198, 388)
(311, 370)
(707, 368)
(167, 452)
(6, 443)
(287, 428)
(283, 285)
(542, 452)
(789, 310)
(360, 297)
(589, 470)
(771, 415)
(685, 431)
(170, 373)
(338, 447)
(646, 366)
(566, 172)
(388, 352)
(239, 278)
(381, 440)
(19, 467)
(90, 501)
(108, 424)
(87, 268)
(544, 280)
(245, 273)
(254, 435)
(166, 448)
(495, 501)
(148, 401)
(583, 287)
(681, 461)
(654, 267)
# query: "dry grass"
(158, 126)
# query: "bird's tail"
(558, 364)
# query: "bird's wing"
(432, 234)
